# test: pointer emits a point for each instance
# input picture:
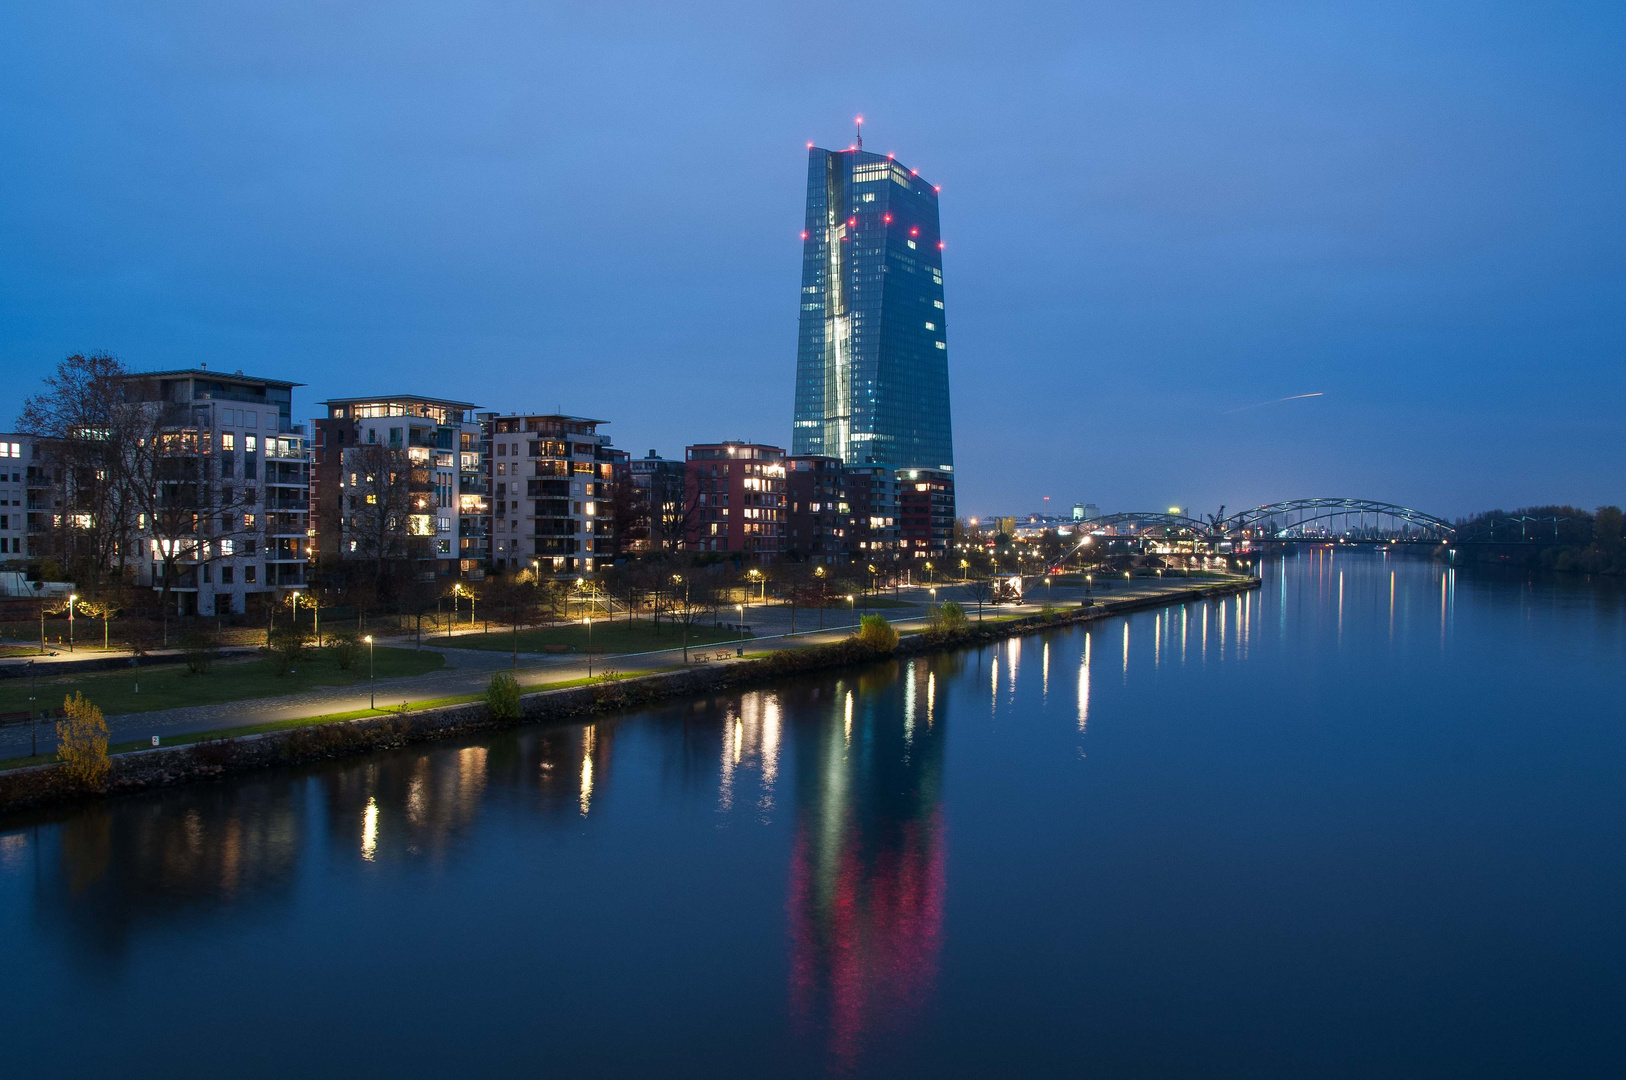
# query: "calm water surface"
(1366, 821)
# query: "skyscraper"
(872, 360)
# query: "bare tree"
(190, 509)
(81, 412)
(377, 505)
(981, 590)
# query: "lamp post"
(72, 600)
(965, 569)
(818, 572)
(589, 622)
(372, 671)
(929, 578)
(740, 608)
(677, 579)
(33, 695)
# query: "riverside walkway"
(468, 670)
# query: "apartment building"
(222, 512)
(925, 512)
(549, 476)
(400, 479)
(17, 453)
(818, 517)
(872, 494)
(738, 490)
(659, 508)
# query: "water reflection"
(780, 856)
(866, 885)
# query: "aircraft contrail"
(1273, 401)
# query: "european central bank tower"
(872, 360)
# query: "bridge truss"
(1347, 521)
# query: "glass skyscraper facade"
(872, 359)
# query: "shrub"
(81, 738)
(947, 618)
(502, 697)
(198, 646)
(1049, 612)
(345, 648)
(878, 634)
(287, 646)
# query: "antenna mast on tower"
(860, 122)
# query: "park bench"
(722, 654)
(14, 718)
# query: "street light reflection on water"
(876, 870)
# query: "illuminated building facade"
(399, 479)
(238, 467)
(550, 476)
(819, 517)
(738, 492)
(872, 356)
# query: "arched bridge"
(1349, 521)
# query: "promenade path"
(468, 670)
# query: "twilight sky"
(1156, 215)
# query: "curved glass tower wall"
(872, 360)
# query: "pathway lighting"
(372, 672)
(71, 601)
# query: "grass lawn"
(170, 686)
(612, 637)
(326, 718)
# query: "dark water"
(1367, 821)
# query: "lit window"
(931, 326)
(228, 441)
(940, 345)
(938, 304)
(911, 244)
(250, 443)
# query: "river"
(1368, 820)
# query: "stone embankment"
(138, 770)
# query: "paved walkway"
(468, 670)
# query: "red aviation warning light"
(914, 230)
(886, 218)
(804, 236)
(852, 222)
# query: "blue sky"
(1155, 214)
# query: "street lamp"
(964, 570)
(740, 608)
(372, 671)
(589, 621)
(929, 577)
(71, 601)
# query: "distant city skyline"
(1156, 217)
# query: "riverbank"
(210, 759)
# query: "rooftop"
(389, 398)
(205, 373)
